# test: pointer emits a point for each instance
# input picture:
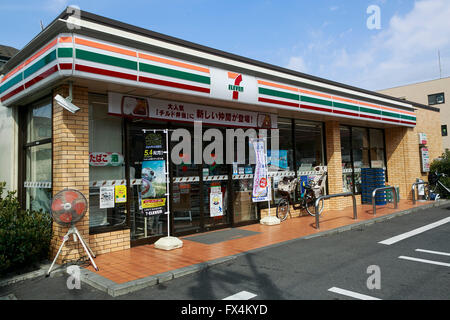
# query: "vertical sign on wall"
(154, 184)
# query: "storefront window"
(38, 156)
(360, 148)
(308, 145)
(309, 153)
(346, 155)
(106, 164)
(377, 148)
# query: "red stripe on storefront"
(345, 113)
(283, 103)
(304, 106)
(42, 76)
(173, 84)
(65, 66)
(391, 120)
(12, 93)
(407, 122)
(370, 117)
(104, 72)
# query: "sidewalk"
(136, 268)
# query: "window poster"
(106, 197)
(120, 194)
(154, 187)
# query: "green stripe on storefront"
(345, 106)
(144, 67)
(279, 94)
(317, 101)
(390, 114)
(11, 83)
(40, 64)
(367, 110)
(105, 59)
(408, 117)
(65, 52)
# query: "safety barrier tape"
(38, 184)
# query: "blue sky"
(325, 38)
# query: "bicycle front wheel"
(310, 206)
(283, 209)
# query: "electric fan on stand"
(68, 207)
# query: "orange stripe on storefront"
(173, 62)
(65, 39)
(29, 60)
(40, 52)
(276, 85)
(323, 95)
(106, 47)
(9, 74)
(397, 110)
(345, 100)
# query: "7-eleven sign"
(235, 86)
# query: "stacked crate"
(372, 178)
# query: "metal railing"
(345, 194)
(413, 188)
(394, 191)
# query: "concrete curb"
(114, 289)
(43, 268)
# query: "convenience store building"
(126, 79)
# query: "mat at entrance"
(221, 236)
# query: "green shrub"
(442, 165)
(24, 235)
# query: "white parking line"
(425, 261)
(434, 252)
(415, 232)
(352, 294)
(243, 295)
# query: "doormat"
(221, 236)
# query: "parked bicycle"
(437, 189)
(300, 200)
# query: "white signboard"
(142, 107)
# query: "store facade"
(127, 81)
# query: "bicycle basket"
(286, 186)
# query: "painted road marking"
(425, 261)
(352, 294)
(415, 232)
(243, 295)
(434, 252)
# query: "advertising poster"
(153, 187)
(120, 194)
(261, 182)
(106, 197)
(215, 204)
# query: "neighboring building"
(8, 131)
(126, 79)
(435, 93)
(6, 53)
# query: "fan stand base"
(73, 230)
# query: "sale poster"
(120, 194)
(153, 186)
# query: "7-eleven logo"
(235, 87)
